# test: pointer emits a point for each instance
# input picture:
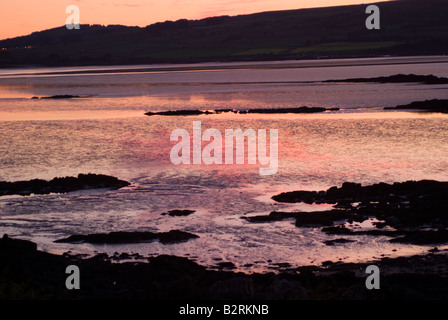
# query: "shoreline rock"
(178, 213)
(399, 78)
(297, 110)
(412, 208)
(122, 237)
(29, 274)
(61, 96)
(434, 105)
(61, 185)
(337, 241)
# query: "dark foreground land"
(413, 212)
(26, 273)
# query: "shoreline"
(217, 66)
(29, 274)
(408, 212)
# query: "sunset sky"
(21, 17)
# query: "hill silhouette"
(408, 27)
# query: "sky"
(22, 17)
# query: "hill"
(408, 27)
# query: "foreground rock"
(434, 105)
(173, 236)
(61, 185)
(26, 273)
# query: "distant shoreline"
(222, 66)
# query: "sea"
(106, 131)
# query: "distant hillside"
(408, 27)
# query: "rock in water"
(61, 185)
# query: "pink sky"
(21, 17)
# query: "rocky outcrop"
(399, 78)
(61, 185)
(120, 237)
(178, 213)
(415, 209)
(303, 109)
(61, 96)
(434, 105)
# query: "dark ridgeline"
(408, 27)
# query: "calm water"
(107, 133)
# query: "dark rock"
(357, 193)
(64, 96)
(17, 245)
(61, 185)
(417, 237)
(328, 263)
(337, 241)
(337, 230)
(420, 237)
(307, 269)
(288, 110)
(400, 205)
(427, 105)
(173, 236)
(273, 216)
(324, 218)
(239, 288)
(399, 78)
(224, 110)
(226, 265)
(179, 213)
(176, 113)
(260, 111)
(297, 196)
(124, 255)
(345, 231)
(282, 265)
(26, 273)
